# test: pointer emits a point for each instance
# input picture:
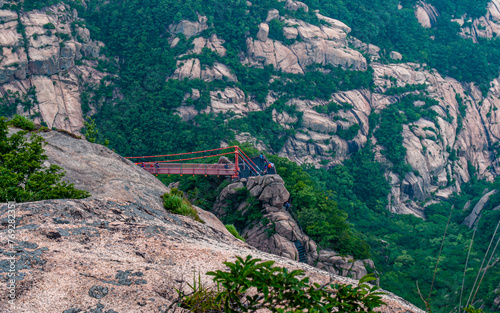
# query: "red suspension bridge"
(242, 167)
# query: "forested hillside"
(378, 114)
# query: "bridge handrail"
(184, 153)
(188, 159)
(246, 160)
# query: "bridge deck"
(190, 169)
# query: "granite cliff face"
(438, 154)
(119, 250)
(487, 26)
(52, 54)
(429, 146)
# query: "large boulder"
(472, 218)
(426, 14)
(189, 28)
(318, 45)
(263, 32)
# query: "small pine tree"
(22, 175)
(92, 132)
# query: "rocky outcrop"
(192, 69)
(426, 14)
(101, 172)
(395, 55)
(487, 26)
(116, 251)
(319, 45)
(213, 43)
(48, 64)
(263, 32)
(472, 218)
(296, 5)
(231, 99)
(189, 28)
(428, 145)
(280, 234)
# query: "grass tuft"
(175, 202)
(234, 232)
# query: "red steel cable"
(167, 155)
(202, 157)
(248, 158)
(250, 165)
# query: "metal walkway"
(242, 167)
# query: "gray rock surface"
(395, 55)
(472, 218)
(190, 28)
(263, 32)
(426, 14)
(100, 171)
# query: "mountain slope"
(117, 251)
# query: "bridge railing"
(189, 169)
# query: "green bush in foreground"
(278, 290)
(234, 232)
(175, 202)
(23, 177)
(22, 122)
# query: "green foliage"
(333, 107)
(318, 213)
(280, 290)
(49, 26)
(29, 5)
(234, 232)
(349, 133)
(390, 127)
(276, 30)
(23, 177)
(315, 84)
(471, 309)
(91, 132)
(175, 202)
(11, 100)
(63, 36)
(22, 122)
(202, 191)
(201, 298)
